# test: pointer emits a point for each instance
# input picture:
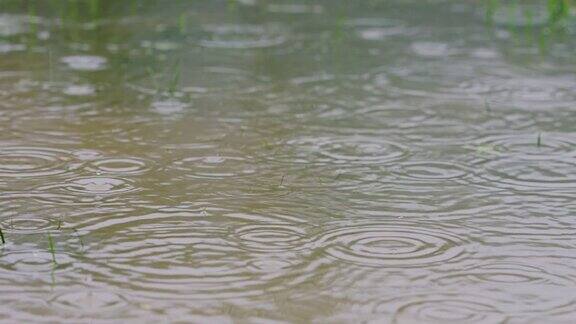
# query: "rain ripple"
(444, 308)
(30, 260)
(393, 244)
(184, 256)
(243, 36)
(501, 273)
(89, 303)
(527, 162)
(432, 171)
(122, 166)
(85, 62)
(98, 186)
(272, 237)
(361, 150)
(25, 162)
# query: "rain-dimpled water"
(252, 161)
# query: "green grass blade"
(52, 248)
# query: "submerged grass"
(52, 248)
(491, 7)
(79, 238)
(558, 10)
(171, 85)
(487, 106)
(539, 140)
(175, 81)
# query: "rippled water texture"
(319, 161)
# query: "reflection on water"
(257, 161)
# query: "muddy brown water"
(283, 161)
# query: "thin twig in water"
(2, 236)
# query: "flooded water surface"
(286, 161)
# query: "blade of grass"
(491, 8)
(487, 105)
(175, 79)
(79, 237)
(558, 10)
(52, 247)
